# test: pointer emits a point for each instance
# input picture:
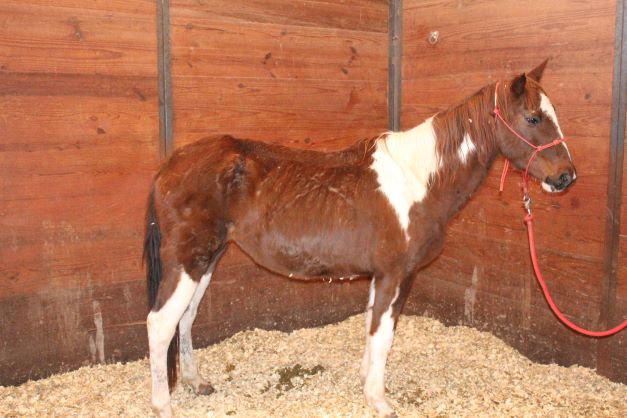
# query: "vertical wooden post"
(614, 191)
(163, 77)
(394, 64)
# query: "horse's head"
(529, 141)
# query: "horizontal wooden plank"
(213, 48)
(319, 114)
(68, 235)
(514, 27)
(63, 323)
(69, 125)
(76, 40)
(76, 154)
(78, 86)
(135, 7)
(368, 16)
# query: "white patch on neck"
(466, 148)
(404, 163)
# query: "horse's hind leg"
(189, 370)
(162, 324)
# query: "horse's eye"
(532, 120)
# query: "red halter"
(529, 223)
(537, 148)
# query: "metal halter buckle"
(527, 203)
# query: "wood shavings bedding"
(433, 371)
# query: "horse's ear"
(518, 85)
(536, 73)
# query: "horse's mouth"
(558, 185)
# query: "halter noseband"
(537, 149)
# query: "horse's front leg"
(387, 296)
(365, 361)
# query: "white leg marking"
(365, 361)
(189, 370)
(404, 162)
(380, 345)
(466, 148)
(161, 327)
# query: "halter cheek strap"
(537, 148)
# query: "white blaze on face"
(404, 163)
(466, 148)
(547, 107)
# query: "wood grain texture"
(270, 73)
(211, 47)
(67, 38)
(485, 265)
(316, 113)
(79, 127)
(308, 75)
(78, 121)
(364, 15)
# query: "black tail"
(152, 259)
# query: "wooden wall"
(309, 75)
(79, 141)
(484, 276)
(79, 129)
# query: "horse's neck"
(451, 196)
(454, 188)
(439, 163)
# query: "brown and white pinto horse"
(377, 209)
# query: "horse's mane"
(472, 117)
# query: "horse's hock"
(95, 97)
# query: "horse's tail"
(152, 259)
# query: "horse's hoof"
(205, 389)
(163, 412)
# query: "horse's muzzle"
(559, 183)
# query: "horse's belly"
(300, 259)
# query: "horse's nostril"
(565, 178)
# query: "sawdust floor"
(433, 371)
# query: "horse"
(377, 209)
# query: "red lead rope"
(529, 223)
(549, 299)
